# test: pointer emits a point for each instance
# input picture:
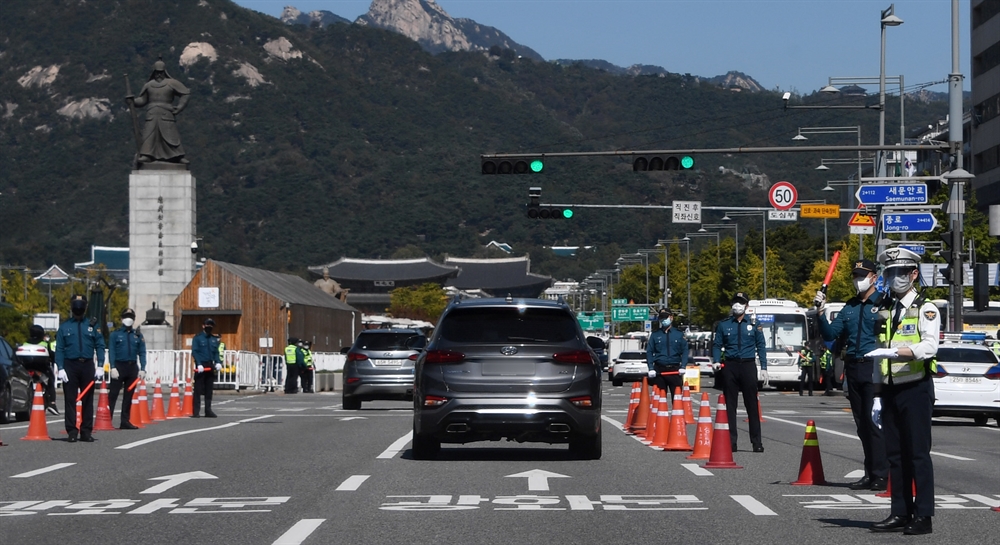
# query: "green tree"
(425, 302)
(751, 277)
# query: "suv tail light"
(413, 357)
(434, 401)
(576, 356)
(443, 356)
(583, 401)
(355, 356)
(993, 373)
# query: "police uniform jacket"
(859, 339)
(667, 348)
(127, 345)
(204, 349)
(78, 338)
(741, 340)
(928, 326)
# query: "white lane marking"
(697, 470)
(178, 434)
(42, 470)
(396, 447)
(953, 457)
(349, 418)
(752, 505)
(612, 421)
(297, 410)
(983, 499)
(54, 421)
(170, 481)
(856, 474)
(299, 532)
(352, 483)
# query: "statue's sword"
(129, 98)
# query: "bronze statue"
(159, 141)
(331, 286)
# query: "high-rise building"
(985, 50)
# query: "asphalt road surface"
(299, 469)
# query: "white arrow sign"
(170, 481)
(538, 479)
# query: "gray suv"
(509, 368)
(380, 365)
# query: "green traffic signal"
(567, 213)
(687, 161)
(643, 163)
(536, 166)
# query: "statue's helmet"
(158, 66)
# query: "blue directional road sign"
(892, 194)
(908, 222)
(917, 249)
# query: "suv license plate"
(388, 363)
(965, 380)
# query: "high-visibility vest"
(826, 359)
(290, 355)
(907, 334)
(308, 356)
(222, 350)
(806, 358)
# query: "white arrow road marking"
(396, 447)
(299, 532)
(352, 483)
(538, 479)
(856, 474)
(42, 470)
(199, 430)
(170, 481)
(983, 499)
(751, 504)
(697, 470)
(349, 418)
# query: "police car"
(967, 383)
(629, 366)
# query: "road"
(299, 469)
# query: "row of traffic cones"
(139, 412)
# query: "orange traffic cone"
(703, 436)
(188, 400)
(721, 456)
(888, 489)
(642, 410)
(175, 402)
(103, 420)
(688, 412)
(79, 416)
(811, 466)
(678, 439)
(654, 413)
(661, 436)
(133, 411)
(633, 402)
(144, 404)
(37, 428)
(158, 415)
(760, 413)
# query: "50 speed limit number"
(783, 195)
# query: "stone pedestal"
(161, 230)
(158, 337)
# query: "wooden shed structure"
(251, 305)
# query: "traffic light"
(516, 165)
(536, 211)
(952, 254)
(981, 286)
(642, 163)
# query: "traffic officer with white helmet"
(908, 333)
(666, 354)
(855, 325)
(742, 341)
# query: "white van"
(786, 331)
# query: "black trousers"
(80, 374)
(828, 377)
(307, 379)
(741, 376)
(291, 379)
(668, 383)
(807, 375)
(906, 417)
(204, 383)
(128, 371)
(860, 393)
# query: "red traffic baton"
(84, 391)
(829, 271)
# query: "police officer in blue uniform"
(855, 325)
(78, 343)
(666, 354)
(127, 355)
(908, 331)
(205, 353)
(743, 341)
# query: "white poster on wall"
(208, 297)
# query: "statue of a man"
(328, 284)
(160, 140)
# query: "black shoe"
(71, 439)
(87, 439)
(128, 426)
(919, 526)
(53, 409)
(210, 414)
(800, 394)
(195, 415)
(758, 448)
(894, 523)
(880, 484)
(864, 484)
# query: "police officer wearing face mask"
(205, 353)
(666, 355)
(78, 343)
(127, 354)
(908, 328)
(742, 341)
(855, 325)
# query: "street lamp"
(888, 19)
(763, 227)
(735, 226)
(687, 243)
(643, 258)
(718, 259)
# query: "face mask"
(127, 322)
(901, 284)
(738, 309)
(208, 330)
(863, 284)
(665, 323)
(78, 309)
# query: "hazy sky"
(792, 45)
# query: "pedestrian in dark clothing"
(205, 354)
(79, 350)
(127, 354)
(667, 355)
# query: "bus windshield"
(783, 332)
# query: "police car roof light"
(963, 337)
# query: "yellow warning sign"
(831, 211)
(860, 220)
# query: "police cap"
(899, 257)
(741, 297)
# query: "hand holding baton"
(829, 273)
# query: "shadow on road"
(846, 523)
(474, 454)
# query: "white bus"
(786, 331)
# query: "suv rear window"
(965, 355)
(385, 341)
(632, 356)
(508, 324)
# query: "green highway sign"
(629, 314)
(619, 301)
(592, 322)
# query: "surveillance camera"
(194, 247)
(786, 96)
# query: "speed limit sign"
(783, 195)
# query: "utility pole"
(958, 176)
